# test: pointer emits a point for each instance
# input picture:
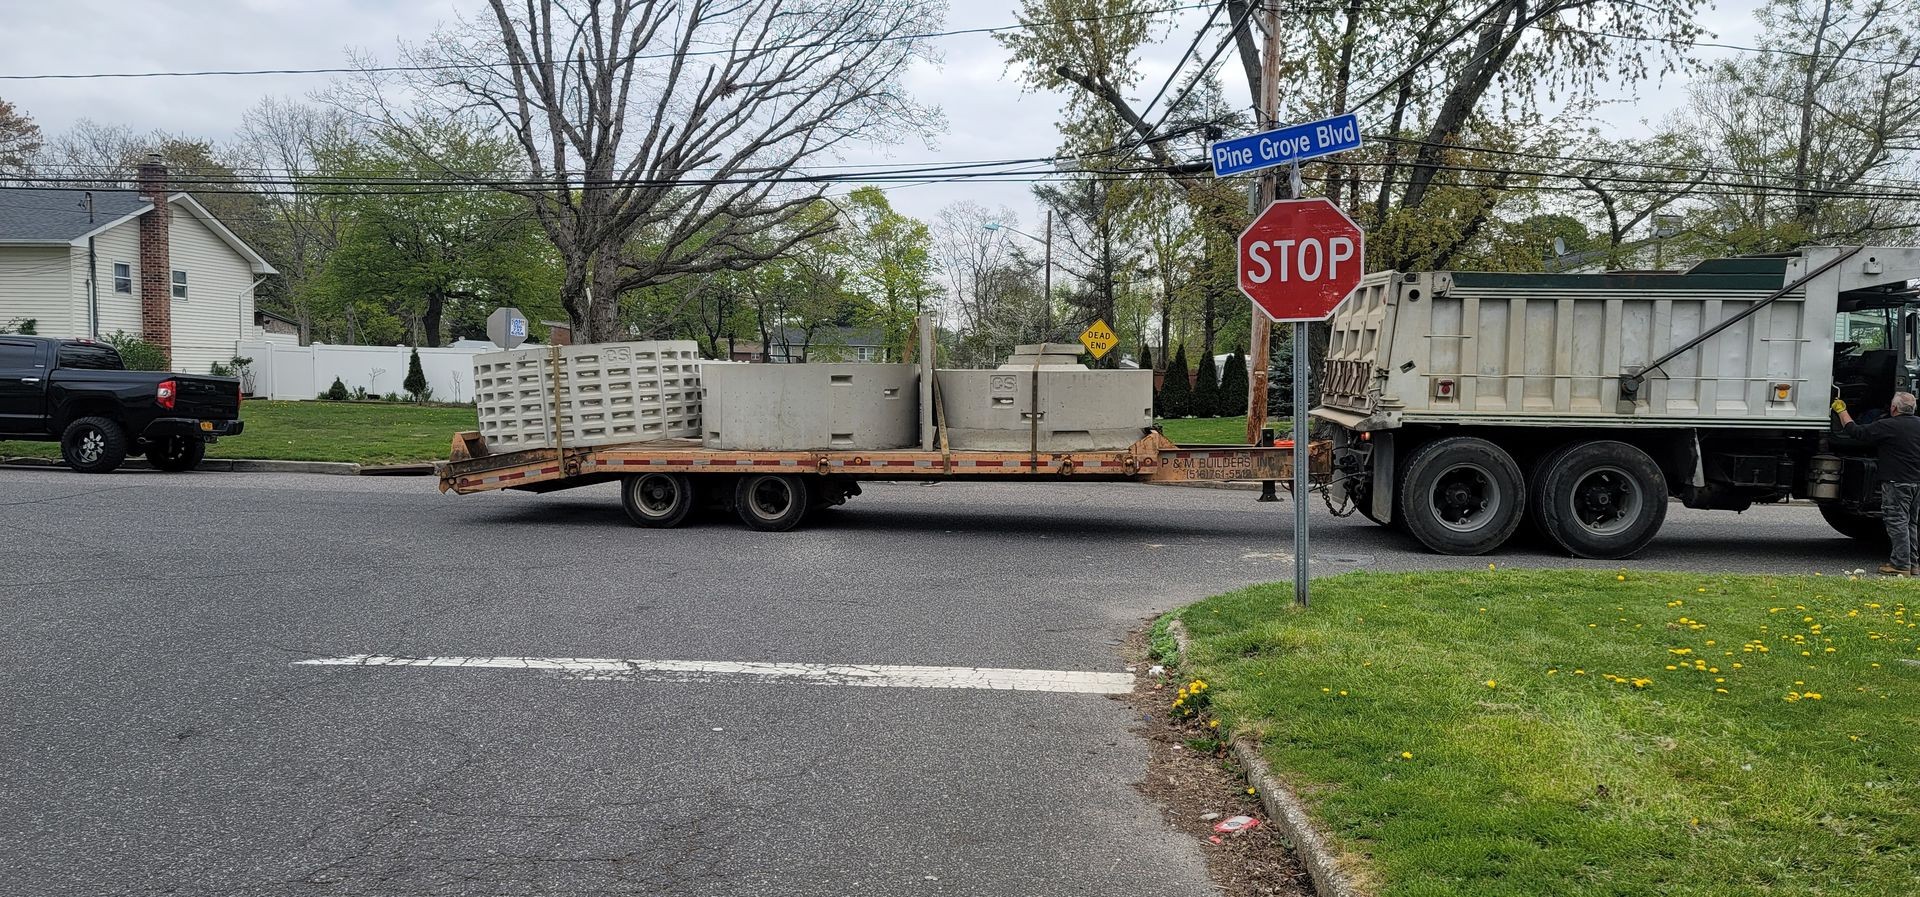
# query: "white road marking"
(869, 676)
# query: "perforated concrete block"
(598, 394)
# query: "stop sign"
(1300, 259)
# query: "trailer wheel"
(1601, 499)
(1854, 525)
(660, 500)
(772, 502)
(1461, 495)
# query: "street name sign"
(507, 327)
(1294, 143)
(1299, 259)
(1099, 339)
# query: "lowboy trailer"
(663, 481)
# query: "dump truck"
(1467, 407)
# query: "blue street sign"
(517, 327)
(1294, 143)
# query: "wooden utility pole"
(1258, 351)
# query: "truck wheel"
(1601, 499)
(177, 453)
(94, 444)
(1859, 527)
(1461, 495)
(659, 500)
(771, 502)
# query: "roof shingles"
(49, 215)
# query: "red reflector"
(163, 396)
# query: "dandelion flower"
(1492, 684)
(1406, 755)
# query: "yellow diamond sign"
(1099, 339)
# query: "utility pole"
(1259, 353)
(1047, 281)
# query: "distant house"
(155, 264)
(825, 344)
(277, 328)
(746, 350)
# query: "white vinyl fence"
(303, 372)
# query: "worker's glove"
(1839, 407)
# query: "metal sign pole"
(1300, 463)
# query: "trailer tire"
(1860, 527)
(772, 502)
(1461, 495)
(1601, 499)
(658, 500)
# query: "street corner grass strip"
(857, 675)
(1585, 732)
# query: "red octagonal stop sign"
(1300, 259)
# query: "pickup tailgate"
(206, 398)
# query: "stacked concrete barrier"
(598, 394)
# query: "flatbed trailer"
(663, 481)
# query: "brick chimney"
(156, 258)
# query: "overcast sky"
(988, 116)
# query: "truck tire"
(1601, 499)
(1461, 495)
(1863, 528)
(94, 444)
(772, 502)
(177, 453)
(658, 500)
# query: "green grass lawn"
(1585, 733)
(368, 433)
(1215, 430)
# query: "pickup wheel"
(177, 453)
(1462, 495)
(94, 444)
(659, 500)
(772, 502)
(1601, 499)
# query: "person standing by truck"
(1896, 442)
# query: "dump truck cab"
(1466, 405)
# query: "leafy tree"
(416, 382)
(1233, 386)
(1176, 393)
(1146, 357)
(1206, 390)
(892, 263)
(19, 138)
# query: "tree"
(1146, 356)
(892, 263)
(1233, 386)
(416, 249)
(1206, 389)
(653, 138)
(993, 284)
(1176, 391)
(19, 139)
(300, 227)
(416, 382)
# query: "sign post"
(1298, 260)
(507, 327)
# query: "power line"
(471, 66)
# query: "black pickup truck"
(79, 392)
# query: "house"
(826, 343)
(154, 264)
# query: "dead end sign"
(1300, 258)
(1099, 339)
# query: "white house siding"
(33, 284)
(218, 310)
(118, 311)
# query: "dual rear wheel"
(1466, 495)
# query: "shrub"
(22, 326)
(1233, 386)
(1176, 392)
(416, 382)
(1206, 389)
(337, 392)
(137, 354)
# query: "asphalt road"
(156, 735)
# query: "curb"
(1283, 807)
(222, 465)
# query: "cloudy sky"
(988, 115)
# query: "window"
(89, 356)
(19, 356)
(866, 353)
(122, 277)
(179, 284)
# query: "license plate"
(206, 425)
